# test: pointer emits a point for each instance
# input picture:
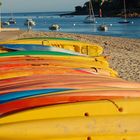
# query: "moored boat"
(91, 17)
(6, 23)
(103, 27)
(54, 27)
(12, 21)
(125, 21)
(29, 22)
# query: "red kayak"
(67, 97)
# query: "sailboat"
(12, 20)
(54, 27)
(125, 17)
(91, 17)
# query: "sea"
(75, 24)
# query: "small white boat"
(12, 21)
(29, 22)
(6, 23)
(103, 27)
(54, 27)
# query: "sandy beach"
(123, 54)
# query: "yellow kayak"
(42, 71)
(98, 120)
(16, 65)
(76, 46)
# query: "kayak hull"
(62, 121)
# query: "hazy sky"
(40, 5)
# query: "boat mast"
(12, 15)
(125, 10)
(91, 12)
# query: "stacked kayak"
(72, 45)
(54, 91)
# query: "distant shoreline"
(73, 13)
(129, 14)
(59, 12)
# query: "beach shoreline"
(123, 53)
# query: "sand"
(124, 53)
(5, 35)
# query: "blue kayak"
(32, 47)
(29, 93)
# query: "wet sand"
(124, 54)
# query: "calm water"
(75, 24)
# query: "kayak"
(29, 71)
(32, 47)
(92, 108)
(76, 46)
(41, 55)
(77, 81)
(23, 63)
(20, 53)
(41, 71)
(18, 101)
(23, 94)
(88, 86)
(37, 57)
(49, 55)
(34, 69)
(75, 120)
(52, 54)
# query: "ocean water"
(75, 24)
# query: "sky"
(40, 5)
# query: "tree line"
(109, 7)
